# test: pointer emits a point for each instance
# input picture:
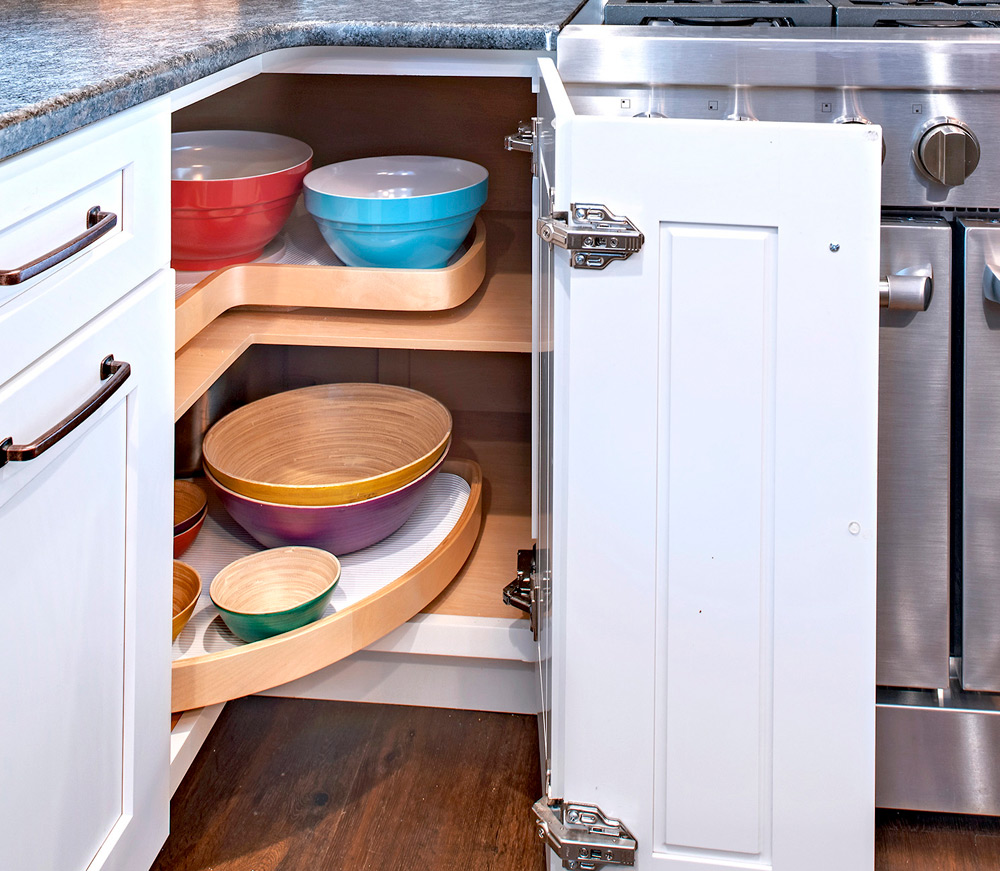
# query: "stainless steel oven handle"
(991, 283)
(910, 293)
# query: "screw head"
(834, 247)
(588, 241)
(573, 816)
(580, 213)
(579, 259)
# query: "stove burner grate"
(710, 13)
(916, 13)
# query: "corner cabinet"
(440, 635)
(701, 448)
(702, 442)
(85, 416)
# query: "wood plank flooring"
(293, 785)
(915, 841)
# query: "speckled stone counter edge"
(33, 125)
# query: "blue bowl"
(405, 212)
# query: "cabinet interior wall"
(344, 117)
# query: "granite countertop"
(65, 63)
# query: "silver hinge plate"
(524, 140)
(522, 592)
(582, 836)
(592, 234)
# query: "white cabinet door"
(714, 410)
(85, 574)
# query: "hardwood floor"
(296, 785)
(293, 785)
(913, 841)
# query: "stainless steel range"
(935, 92)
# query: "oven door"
(980, 255)
(914, 456)
(708, 462)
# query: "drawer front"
(121, 167)
(84, 571)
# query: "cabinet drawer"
(121, 167)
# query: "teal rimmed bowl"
(274, 591)
(410, 211)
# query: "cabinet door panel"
(85, 559)
(61, 533)
(714, 461)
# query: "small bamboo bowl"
(190, 511)
(189, 501)
(328, 445)
(274, 591)
(187, 589)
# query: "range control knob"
(947, 151)
(858, 119)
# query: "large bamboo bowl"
(328, 445)
(339, 529)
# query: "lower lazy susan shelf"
(381, 587)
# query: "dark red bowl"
(231, 193)
(184, 540)
(339, 529)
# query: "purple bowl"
(339, 529)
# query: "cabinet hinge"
(522, 592)
(593, 235)
(524, 140)
(582, 836)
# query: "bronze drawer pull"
(98, 223)
(113, 372)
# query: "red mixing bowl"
(231, 192)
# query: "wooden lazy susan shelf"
(318, 284)
(496, 317)
(381, 587)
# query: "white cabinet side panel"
(714, 585)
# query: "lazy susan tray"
(299, 271)
(381, 587)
